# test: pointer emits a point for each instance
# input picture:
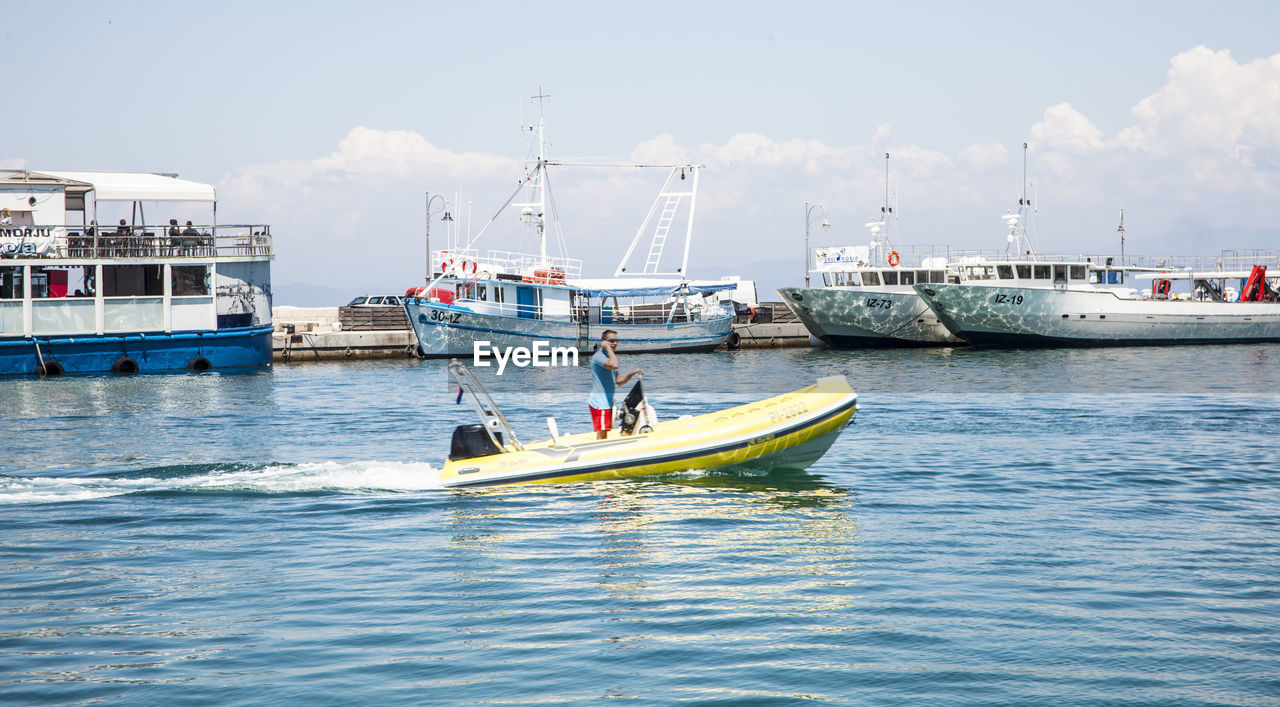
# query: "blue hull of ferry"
(150, 353)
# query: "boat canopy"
(657, 291)
(134, 186)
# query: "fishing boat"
(786, 431)
(138, 296)
(1086, 303)
(512, 299)
(867, 298)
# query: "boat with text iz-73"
(867, 297)
(138, 295)
(1229, 299)
(506, 299)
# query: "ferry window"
(132, 280)
(1059, 273)
(1024, 271)
(890, 277)
(1005, 272)
(1077, 272)
(1041, 272)
(871, 278)
(10, 283)
(498, 295)
(63, 281)
(826, 280)
(189, 280)
(938, 276)
(482, 293)
(922, 276)
(855, 279)
(908, 277)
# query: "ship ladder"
(660, 235)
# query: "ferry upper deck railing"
(142, 241)
(503, 261)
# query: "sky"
(332, 121)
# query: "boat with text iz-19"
(1086, 303)
(141, 294)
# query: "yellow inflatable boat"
(791, 431)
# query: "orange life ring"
(894, 259)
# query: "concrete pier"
(317, 334)
(324, 334)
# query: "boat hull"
(445, 330)
(788, 431)
(996, 316)
(856, 317)
(150, 353)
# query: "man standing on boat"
(604, 379)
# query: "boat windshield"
(979, 272)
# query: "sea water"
(995, 527)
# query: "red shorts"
(601, 419)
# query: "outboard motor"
(471, 441)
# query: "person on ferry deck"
(5, 218)
(604, 379)
(123, 229)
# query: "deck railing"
(144, 241)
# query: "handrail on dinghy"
(491, 417)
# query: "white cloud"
(1065, 129)
(1204, 148)
(1211, 103)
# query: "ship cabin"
(858, 266)
(521, 286)
(1039, 273)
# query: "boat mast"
(880, 239)
(1018, 237)
(533, 212)
(1120, 230)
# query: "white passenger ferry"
(514, 299)
(1087, 303)
(80, 295)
